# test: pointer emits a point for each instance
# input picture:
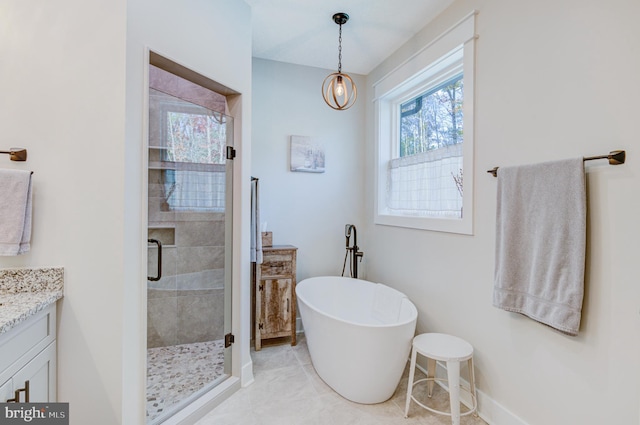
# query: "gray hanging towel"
(15, 212)
(540, 242)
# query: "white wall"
(305, 209)
(72, 78)
(62, 79)
(553, 80)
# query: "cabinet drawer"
(276, 268)
(26, 340)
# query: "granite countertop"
(24, 292)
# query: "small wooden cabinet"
(275, 292)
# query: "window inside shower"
(195, 145)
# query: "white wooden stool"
(449, 349)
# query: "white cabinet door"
(41, 374)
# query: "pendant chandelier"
(338, 89)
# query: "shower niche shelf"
(165, 234)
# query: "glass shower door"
(189, 254)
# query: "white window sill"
(449, 225)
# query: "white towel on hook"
(256, 234)
(541, 242)
(15, 212)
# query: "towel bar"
(16, 154)
(614, 157)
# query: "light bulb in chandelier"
(338, 89)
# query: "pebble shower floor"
(174, 373)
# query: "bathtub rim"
(414, 310)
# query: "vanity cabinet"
(28, 359)
(275, 292)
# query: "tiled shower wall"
(187, 304)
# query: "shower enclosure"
(189, 252)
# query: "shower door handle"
(159, 273)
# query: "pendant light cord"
(340, 50)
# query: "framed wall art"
(307, 155)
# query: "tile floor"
(287, 391)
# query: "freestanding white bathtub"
(359, 335)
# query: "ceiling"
(303, 32)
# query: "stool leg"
(431, 374)
(412, 369)
(472, 386)
(453, 376)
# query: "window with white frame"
(425, 136)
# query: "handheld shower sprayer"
(347, 233)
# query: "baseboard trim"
(489, 410)
(247, 374)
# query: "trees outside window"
(432, 120)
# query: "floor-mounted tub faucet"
(352, 251)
